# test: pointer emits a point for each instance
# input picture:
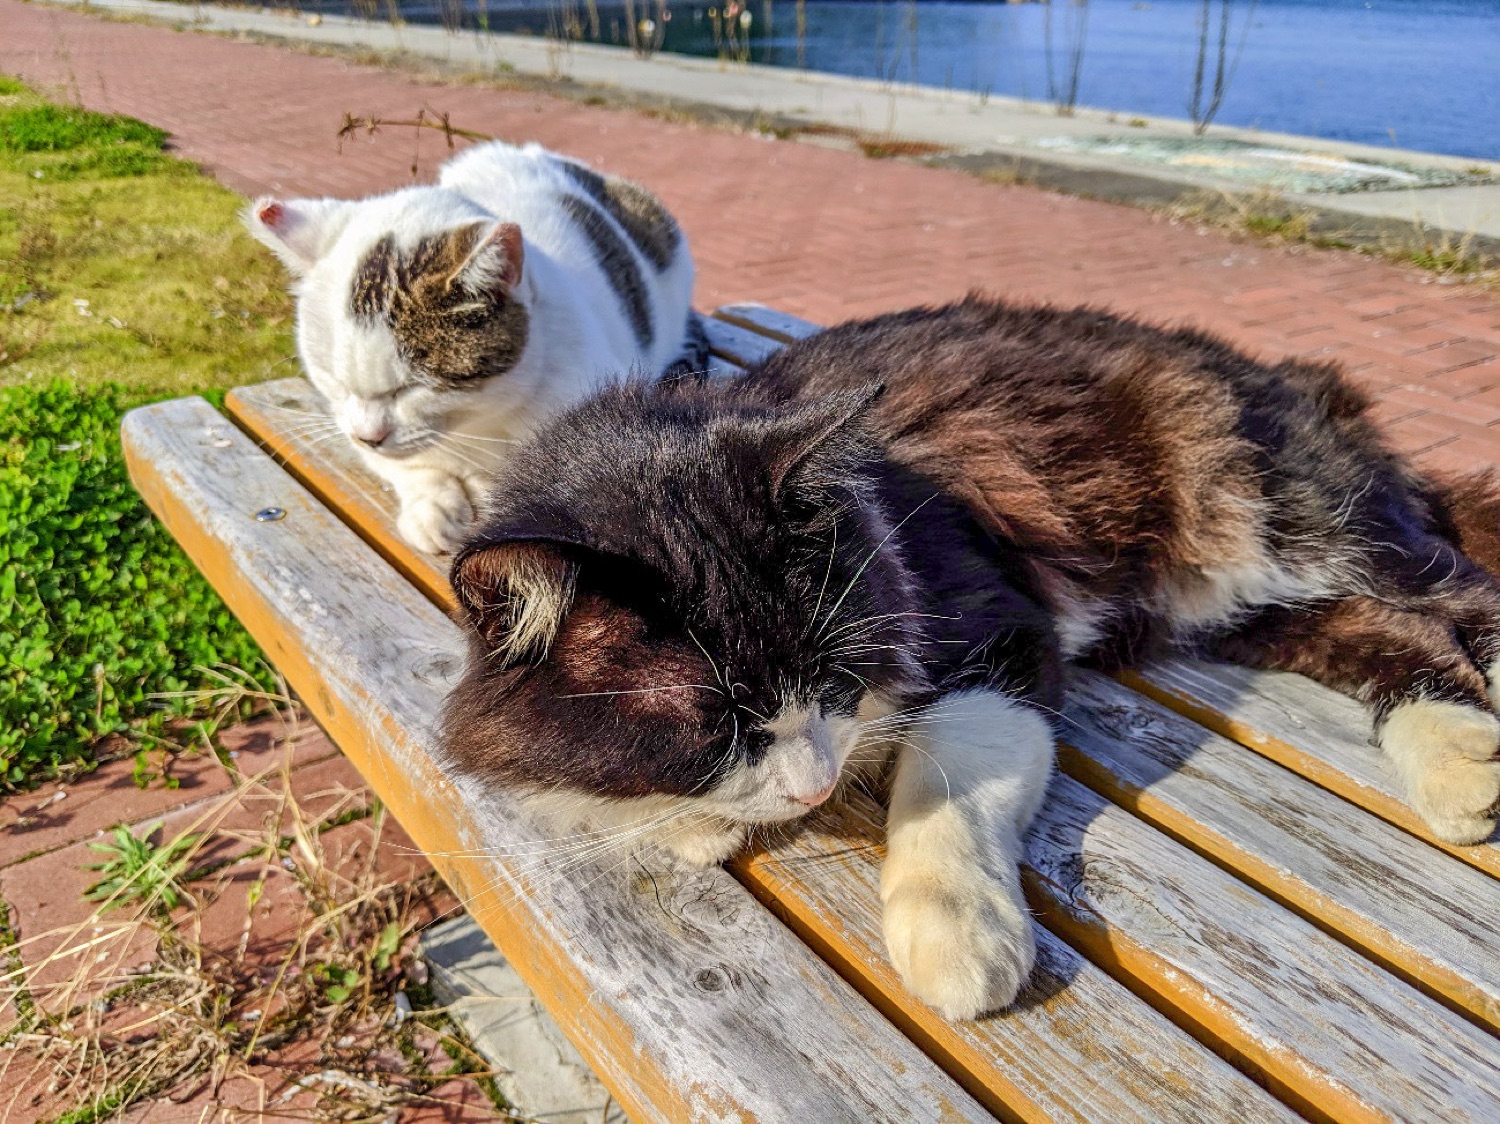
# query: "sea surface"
(1417, 74)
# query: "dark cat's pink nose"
(813, 799)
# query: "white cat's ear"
(299, 231)
(493, 263)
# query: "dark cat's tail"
(1468, 507)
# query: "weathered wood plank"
(692, 1001)
(1086, 1049)
(782, 326)
(1319, 733)
(1077, 1046)
(1336, 1035)
(737, 344)
(284, 417)
(1433, 920)
(1316, 732)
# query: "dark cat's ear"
(489, 256)
(515, 595)
(814, 438)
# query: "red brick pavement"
(821, 233)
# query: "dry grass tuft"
(317, 1005)
(1270, 217)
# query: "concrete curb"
(537, 1069)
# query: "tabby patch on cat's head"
(422, 297)
(447, 300)
(705, 628)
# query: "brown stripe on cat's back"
(618, 263)
(640, 214)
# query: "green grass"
(125, 276)
(119, 263)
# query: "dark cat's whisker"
(644, 691)
(827, 573)
(891, 616)
(865, 565)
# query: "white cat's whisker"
(458, 436)
(713, 666)
(531, 846)
(549, 875)
(541, 870)
(879, 617)
(854, 674)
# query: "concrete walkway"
(1117, 156)
(825, 234)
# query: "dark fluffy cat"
(697, 608)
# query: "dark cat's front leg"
(970, 774)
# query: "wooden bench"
(1240, 919)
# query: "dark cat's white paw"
(1446, 755)
(704, 844)
(438, 521)
(963, 944)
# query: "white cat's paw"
(705, 844)
(437, 522)
(963, 944)
(1445, 753)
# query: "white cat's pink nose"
(372, 434)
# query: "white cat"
(443, 323)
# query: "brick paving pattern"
(821, 233)
(73, 957)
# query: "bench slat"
(1308, 728)
(1036, 1062)
(690, 999)
(1331, 1032)
(1316, 732)
(782, 326)
(738, 345)
(1413, 908)
(1077, 1046)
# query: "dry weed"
(326, 1014)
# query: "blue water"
(1419, 74)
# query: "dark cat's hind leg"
(1467, 508)
(1433, 716)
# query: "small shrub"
(58, 128)
(100, 612)
(140, 872)
(10, 87)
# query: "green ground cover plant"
(125, 276)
